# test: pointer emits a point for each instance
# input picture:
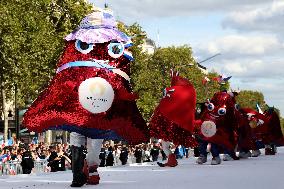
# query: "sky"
(249, 34)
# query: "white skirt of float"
(208, 128)
(96, 95)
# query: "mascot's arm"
(123, 94)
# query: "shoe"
(93, 177)
(245, 155)
(269, 151)
(235, 157)
(161, 164)
(255, 153)
(227, 157)
(216, 161)
(172, 162)
(201, 159)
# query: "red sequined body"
(173, 118)
(58, 106)
(267, 132)
(276, 135)
(226, 125)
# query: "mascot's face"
(109, 54)
(96, 94)
(219, 109)
(254, 118)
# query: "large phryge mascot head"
(219, 120)
(265, 126)
(91, 92)
(173, 119)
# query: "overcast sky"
(249, 34)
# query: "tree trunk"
(4, 113)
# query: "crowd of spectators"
(57, 157)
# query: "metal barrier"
(10, 168)
(15, 168)
(40, 166)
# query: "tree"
(249, 99)
(31, 40)
(282, 124)
(154, 75)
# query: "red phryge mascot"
(91, 95)
(173, 119)
(275, 133)
(265, 130)
(218, 127)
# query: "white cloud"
(245, 45)
(137, 9)
(245, 57)
(264, 18)
(251, 69)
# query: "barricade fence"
(15, 168)
(40, 166)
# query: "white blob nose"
(208, 128)
(96, 95)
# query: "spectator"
(179, 152)
(186, 149)
(138, 154)
(110, 157)
(117, 154)
(27, 162)
(146, 154)
(123, 155)
(155, 153)
(63, 157)
(102, 157)
(53, 160)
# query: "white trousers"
(166, 147)
(93, 147)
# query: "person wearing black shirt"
(155, 153)
(102, 157)
(27, 162)
(138, 154)
(53, 160)
(109, 158)
(123, 155)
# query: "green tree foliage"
(249, 99)
(153, 76)
(282, 124)
(140, 58)
(31, 40)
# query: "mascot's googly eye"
(210, 106)
(115, 49)
(222, 111)
(83, 47)
(237, 107)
